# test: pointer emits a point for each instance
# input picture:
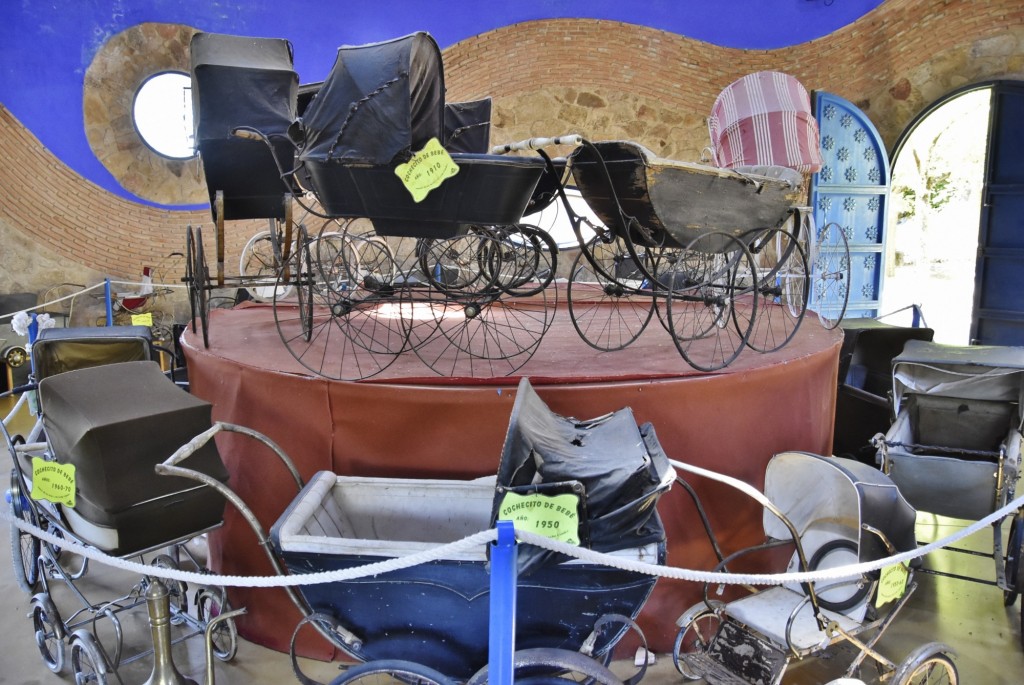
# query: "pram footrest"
(737, 657)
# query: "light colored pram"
(954, 448)
(833, 512)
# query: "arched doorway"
(938, 172)
(958, 190)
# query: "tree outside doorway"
(934, 212)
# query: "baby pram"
(834, 512)
(436, 614)
(954, 447)
(105, 427)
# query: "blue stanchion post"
(502, 642)
(110, 302)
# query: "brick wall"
(601, 79)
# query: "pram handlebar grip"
(537, 143)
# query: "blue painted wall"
(45, 47)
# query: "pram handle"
(537, 143)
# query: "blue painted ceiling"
(45, 47)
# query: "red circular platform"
(407, 423)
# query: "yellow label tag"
(428, 168)
(892, 583)
(553, 516)
(142, 319)
(53, 482)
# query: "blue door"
(852, 190)
(998, 314)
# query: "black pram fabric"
(467, 126)
(238, 81)
(380, 103)
(621, 466)
(115, 423)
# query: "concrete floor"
(970, 617)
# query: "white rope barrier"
(487, 536)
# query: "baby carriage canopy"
(380, 102)
(467, 126)
(834, 497)
(764, 119)
(244, 82)
(57, 350)
(622, 468)
(975, 372)
(114, 423)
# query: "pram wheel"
(25, 548)
(782, 288)
(49, 632)
(225, 634)
(258, 266)
(697, 628)
(928, 664)
(711, 309)
(465, 323)
(552, 665)
(392, 671)
(190, 274)
(201, 287)
(331, 325)
(607, 304)
(87, 662)
(526, 261)
(830, 274)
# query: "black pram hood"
(621, 466)
(379, 103)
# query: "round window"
(163, 114)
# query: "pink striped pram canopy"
(764, 119)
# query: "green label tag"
(428, 168)
(892, 583)
(553, 516)
(53, 482)
(143, 319)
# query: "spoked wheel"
(782, 286)
(830, 274)
(711, 307)
(552, 665)
(929, 664)
(479, 335)
(25, 547)
(608, 313)
(479, 329)
(49, 632)
(258, 267)
(698, 626)
(332, 323)
(210, 605)
(201, 280)
(190, 274)
(527, 260)
(464, 264)
(387, 671)
(87, 662)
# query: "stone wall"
(601, 79)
